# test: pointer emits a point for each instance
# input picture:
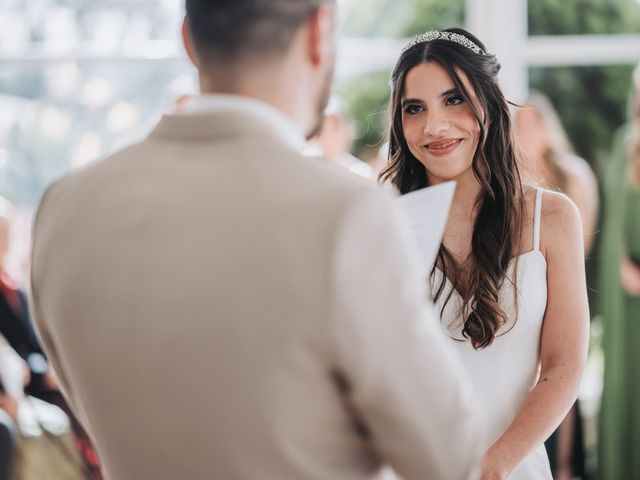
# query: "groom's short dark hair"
(225, 31)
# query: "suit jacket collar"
(215, 116)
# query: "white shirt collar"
(285, 127)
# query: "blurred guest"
(334, 139)
(7, 436)
(15, 324)
(16, 327)
(619, 439)
(12, 379)
(548, 158)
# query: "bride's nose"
(436, 123)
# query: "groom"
(217, 306)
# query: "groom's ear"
(321, 35)
(187, 41)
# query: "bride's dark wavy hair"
(498, 226)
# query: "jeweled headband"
(448, 36)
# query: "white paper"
(427, 210)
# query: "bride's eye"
(454, 100)
(413, 108)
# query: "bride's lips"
(442, 147)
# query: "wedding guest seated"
(17, 328)
(13, 376)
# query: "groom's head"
(232, 40)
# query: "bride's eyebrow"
(409, 101)
(451, 91)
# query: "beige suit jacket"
(219, 307)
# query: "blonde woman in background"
(548, 158)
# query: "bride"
(509, 281)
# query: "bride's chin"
(440, 177)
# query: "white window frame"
(501, 24)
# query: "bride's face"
(439, 126)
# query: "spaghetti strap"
(536, 219)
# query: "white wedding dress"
(504, 373)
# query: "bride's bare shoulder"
(553, 202)
(560, 221)
(560, 224)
